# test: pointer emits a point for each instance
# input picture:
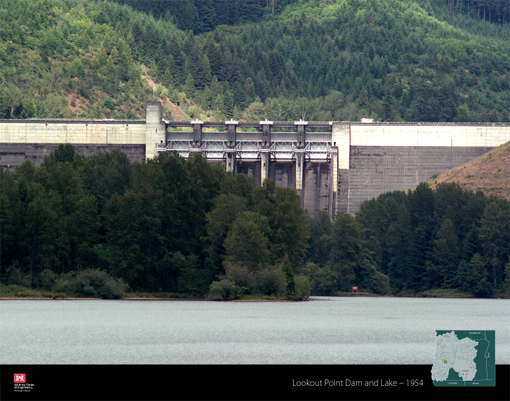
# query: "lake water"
(325, 330)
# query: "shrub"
(16, 276)
(483, 289)
(241, 275)
(271, 281)
(62, 283)
(302, 287)
(225, 289)
(47, 279)
(289, 278)
(11, 290)
(97, 283)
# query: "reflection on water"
(323, 331)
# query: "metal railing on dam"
(248, 140)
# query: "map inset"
(465, 358)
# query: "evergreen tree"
(179, 59)
(494, 238)
(345, 249)
(446, 253)
(390, 108)
(206, 16)
(214, 56)
(197, 69)
(190, 86)
(286, 266)
(228, 105)
(479, 284)
(423, 105)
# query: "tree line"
(168, 225)
(413, 242)
(185, 226)
(442, 238)
(495, 11)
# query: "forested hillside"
(420, 60)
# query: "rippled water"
(323, 331)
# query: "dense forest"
(205, 15)
(416, 241)
(391, 60)
(169, 225)
(186, 227)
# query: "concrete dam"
(334, 166)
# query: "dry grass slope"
(489, 173)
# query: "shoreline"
(73, 298)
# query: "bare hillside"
(489, 173)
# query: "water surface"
(350, 330)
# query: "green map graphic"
(465, 358)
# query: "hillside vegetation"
(283, 60)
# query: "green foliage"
(225, 289)
(96, 283)
(242, 276)
(339, 258)
(48, 279)
(493, 11)
(246, 244)
(72, 50)
(251, 230)
(271, 281)
(15, 276)
(419, 242)
(345, 250)
(389, 60)
(184, 226)
(17, 291)
(167, 225)
(321, 279)
(205, 15)
(446, 253)
(303, 290)
(428, 239)
(289, 278)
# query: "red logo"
(20, 377)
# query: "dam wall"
(334, 166)
(388, 157)
(34, 139)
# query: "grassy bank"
(17, 291)
(20, 292)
